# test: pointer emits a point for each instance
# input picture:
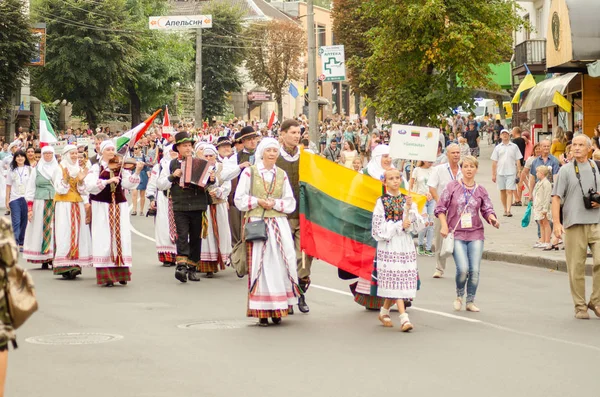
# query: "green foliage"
(17, 48)
(90, 48)
(53, 113)
(222, 55)
(421, 48)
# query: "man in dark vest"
(189, 204)
(232, 168)
(289, 161)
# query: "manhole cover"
(73, 339)
(216, 324)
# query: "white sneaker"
(437, 274)
(539, 245)
(458, 304)
(472, 308)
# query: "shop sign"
(181, 22)
(333, 63)
(39, 32)
(260, 96)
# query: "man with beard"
(289, 161)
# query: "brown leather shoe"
(595, 309)
(582, 315)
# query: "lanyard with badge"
(450, 172)
(466, 220)
(20, 185)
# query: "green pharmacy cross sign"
(333, 64)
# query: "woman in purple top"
(459, 206)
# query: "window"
(321, 32)
(527, 32)
(345, 100)
(540, 26)
(335, 97)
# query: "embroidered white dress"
(34, 234)
(165, 247)
(273, 266)
(396, 255)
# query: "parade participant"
(224, 148)
(216, 246)
(38, 245)
(264, 192)
(459, 208)
(16, 182)
(231, 170)
(289, 161)
(140, 189)
(72, 233)
(189, 204)
(396, 258)
(98, 139)
(376, 168)
(30, 154)
(111, 228)
(165, 233)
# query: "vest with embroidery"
(105, 196)
(72, 196)
(258, 188)
(43, 187)
(292, 169)
(242, 157)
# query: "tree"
(428, 55)
(275, 56)
(222, 56)
(163, 59)
(350, 27)
(17, 48)
(90, 48)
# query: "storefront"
(573, 44)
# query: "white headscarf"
(72, 168)
(374, 167)
(200, 146)
(265, 144)
(106, 144)
(47, 168)
(210, 149)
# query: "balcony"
(532, 53)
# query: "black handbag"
(257, 230)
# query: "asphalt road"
(173, 339)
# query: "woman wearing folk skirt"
(111, 230)
(216, 246)
(38, 246)
(72, 234)
(273, 282)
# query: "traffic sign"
(333, 63)
(322, 77)
(180, 22)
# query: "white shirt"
(441, 176)
(17, 180)
(421, 177)
(506, 155)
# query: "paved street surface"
(173, 339)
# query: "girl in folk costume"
(265, 193)
(165, 233)
(39, 194)
(216, 246)
(111, 230)
(396, 257)
(72, 233)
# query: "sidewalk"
(513, 243)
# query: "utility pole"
(313, 104)
(198, 91)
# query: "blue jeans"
(428, 231)
(18, 216)
(467, 256)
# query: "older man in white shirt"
(440, 177)
(505, 168)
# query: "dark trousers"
(18, 215)
(189, 229)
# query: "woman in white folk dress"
(165, 233)
(111, 228)
(264, 191)
(38, 245)
(216, 246)
(72, 234)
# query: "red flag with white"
(47, 134)
(166, 125)
(272, 120)
(132, 136)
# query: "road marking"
(135, 231)
(442, 314)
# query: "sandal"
(386, 320)
(517, 204)
(134, 213)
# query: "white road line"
(447, 315)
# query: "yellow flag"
(562, 102)
(527, 83)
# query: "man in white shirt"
(505, 168)
(440, 177)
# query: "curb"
(533, 261)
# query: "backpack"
(18, 283)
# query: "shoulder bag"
(257, 230)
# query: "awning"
(542, 94)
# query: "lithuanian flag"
(336, 206)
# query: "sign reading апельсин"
(181, 22)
